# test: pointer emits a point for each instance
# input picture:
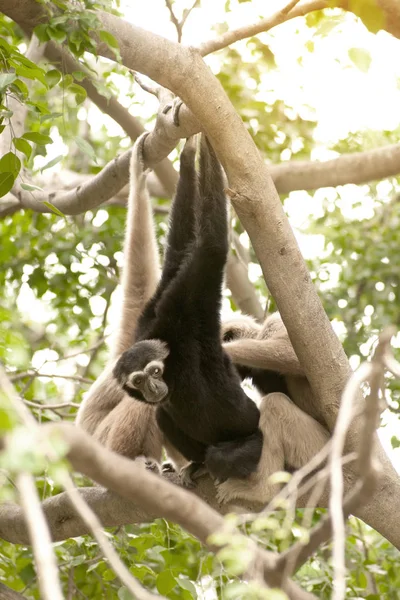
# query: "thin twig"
(322, 532)
(94, 524)
(230, 37)
(19, 376)
(38, 529)
(51, 406)
(179, 24)
(80, 505)
(45, 560)
(343, 422)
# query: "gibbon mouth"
(158, 397)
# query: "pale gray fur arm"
(103, 396)
(140, 276)
(141, 271)
(275, 354)
(241, 326)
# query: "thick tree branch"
(154, 496)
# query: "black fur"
(207, 415)
(265, 381)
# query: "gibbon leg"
(237, 457)
(190, 448)
(291, 439)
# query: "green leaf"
(395, 442)
(10, 163)
(53, 77)
(86, 148)
(37, 74)
(78, 75)
(111, 42)
(165, 582)
(361, 58)
(21, 87)
(30, 187)
(23, 146)
(52, 162)
(185, 584)
(41, 32)
(6, 183)
(58, 35)
(38, 138)
(54, 209)
(79, 91)
(6, 79)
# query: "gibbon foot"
(137, 163)
(153, 466)
(175, 105)
(189, 150)
(149, 464)
(168, 467)
(189, 474)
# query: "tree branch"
(230, 37)
(366, 472)
(153, 495)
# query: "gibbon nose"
(152, 386)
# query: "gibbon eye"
(156, 371)
(137, 380)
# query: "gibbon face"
(140, 370)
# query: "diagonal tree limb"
(151, 493)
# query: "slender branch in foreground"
(366, 472)
(45, 560)
(7, 593)
(40, 535)
(107, 549)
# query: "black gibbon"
(293, 427)
(177, 362)
(107, 412)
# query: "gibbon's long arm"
(275, 354)
(141, 271)
(124, 426)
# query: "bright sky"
(326, 85)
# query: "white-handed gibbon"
(177, 362)
(107, 412)
(265, 354)
(293, 426)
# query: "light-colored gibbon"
(107, 412)
(293, 426)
